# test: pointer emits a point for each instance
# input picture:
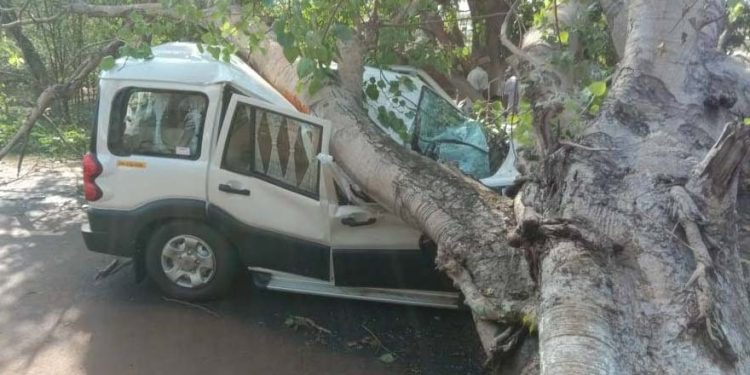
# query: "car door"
(374, 248)
(265, 191)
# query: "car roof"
(181, 62)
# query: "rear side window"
(274, 147)
(157, 122)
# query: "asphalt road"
(55, 318)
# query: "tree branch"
(484, 16)
(112, 11)
(29, 21)
(537, 63)
(399, 18)
(58, 91)
(330, 19)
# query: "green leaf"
(305, 67)
(143, 52)
(736, 11)
(594, 109)
(214, 51)
(746, 121)
(279, 25)
(387, 358)
(372, 92)
(410, 86)
(598, 88)
(107, 63)
(342, 32)
(315, 85)
(285, 39)
(200, 47)
(291, 53)
(564, 36)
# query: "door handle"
(350, 221)
(229, 189)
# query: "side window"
(157, 122)
(274, 147)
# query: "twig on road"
(32, 169)
(295, 321)
(380, 343)
(112, 268)
(199, 307)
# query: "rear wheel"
(190, 261)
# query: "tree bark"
(660, 288)
(626, 251)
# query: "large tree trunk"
(653, 283)
(631, 250)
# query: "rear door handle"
(229, 189)
(350, 221)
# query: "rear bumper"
(124, 232)
(113, 240)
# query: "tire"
(190, 261)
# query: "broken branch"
(541, 65)
(723, 161)
(29, 21)
(58, 91)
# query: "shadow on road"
(56, 319)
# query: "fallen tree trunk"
(468, 222)
(624, 248)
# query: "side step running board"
(286, 282)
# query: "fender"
(123, 232)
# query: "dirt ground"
(55, 318)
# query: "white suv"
(199, 168)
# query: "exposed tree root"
(480, 305)
(686, 213)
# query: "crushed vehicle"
(409, 106)
(199, 168)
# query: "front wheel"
(190, 261)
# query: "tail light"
(91, 170)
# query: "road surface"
(56, 319)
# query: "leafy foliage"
(392, 31)
(738, 30)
